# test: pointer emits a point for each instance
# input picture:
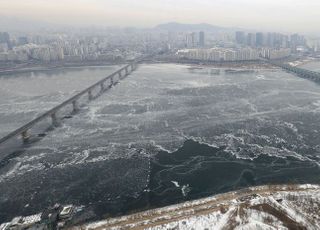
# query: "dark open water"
(165, 134)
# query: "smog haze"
(284, 15)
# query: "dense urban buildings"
(230, 54)
(116, 45)
(219, 54)
(201, 39)
(240, 37)
(271, 40)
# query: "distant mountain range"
(174, 26)
(18, 24)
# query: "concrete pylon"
(54, 119)
(25, 136)
(111, 81)
(90, 95)
(102, 87)
(75, 106)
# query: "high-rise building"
(260, 41)
(4, 37)
(23, 40)
(201, 39)
(285, 42)
(251, 40)
(240, 37)
(270, 40)
(297, 40)
(278, 40)
(191, 40)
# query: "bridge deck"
(51, 112)
(312, 75)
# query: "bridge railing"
(23, 131)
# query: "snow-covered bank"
(264, 207)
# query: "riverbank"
(40, 67)
(302, 61)
(271, 206)
(31, 67)
(232, 65)
(262, 207)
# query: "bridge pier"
(120, 75)
(111, 82)
(55, 120)
(75, 107)
(25, 136)
(127, 71)
(102, 87)
(90, 97)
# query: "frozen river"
(166, 133)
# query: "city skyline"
(285, 15)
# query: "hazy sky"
(284, 15)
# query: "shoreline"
(36, 68)
(302, 62)
(252, 65)
(12, 71)
(280, 199)
(245, 199)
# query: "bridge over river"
(105, 84)
(304, 73)
(102, 86)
